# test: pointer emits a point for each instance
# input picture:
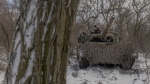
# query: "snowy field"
(139, 74)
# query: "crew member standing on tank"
(97, 29)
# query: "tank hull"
(109, 53)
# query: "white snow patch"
(110, 75)
(52, 57)
(45, 28)
(29, 36)
(16, 63)
(35, 23)
(44, 12)
(24, 25)
(30, 29)
(54, 29)
(29, 68)
(49, 19)
(32, 10)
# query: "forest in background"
(132, 21)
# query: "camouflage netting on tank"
(101, 53)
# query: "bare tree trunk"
(41, 42)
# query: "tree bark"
(41, 42)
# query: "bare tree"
(131, 18)
(41, 42)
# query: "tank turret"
(106, 29)
(102, 36)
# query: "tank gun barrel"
(104, 33)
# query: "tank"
(105, 48)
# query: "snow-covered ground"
(139, 74)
